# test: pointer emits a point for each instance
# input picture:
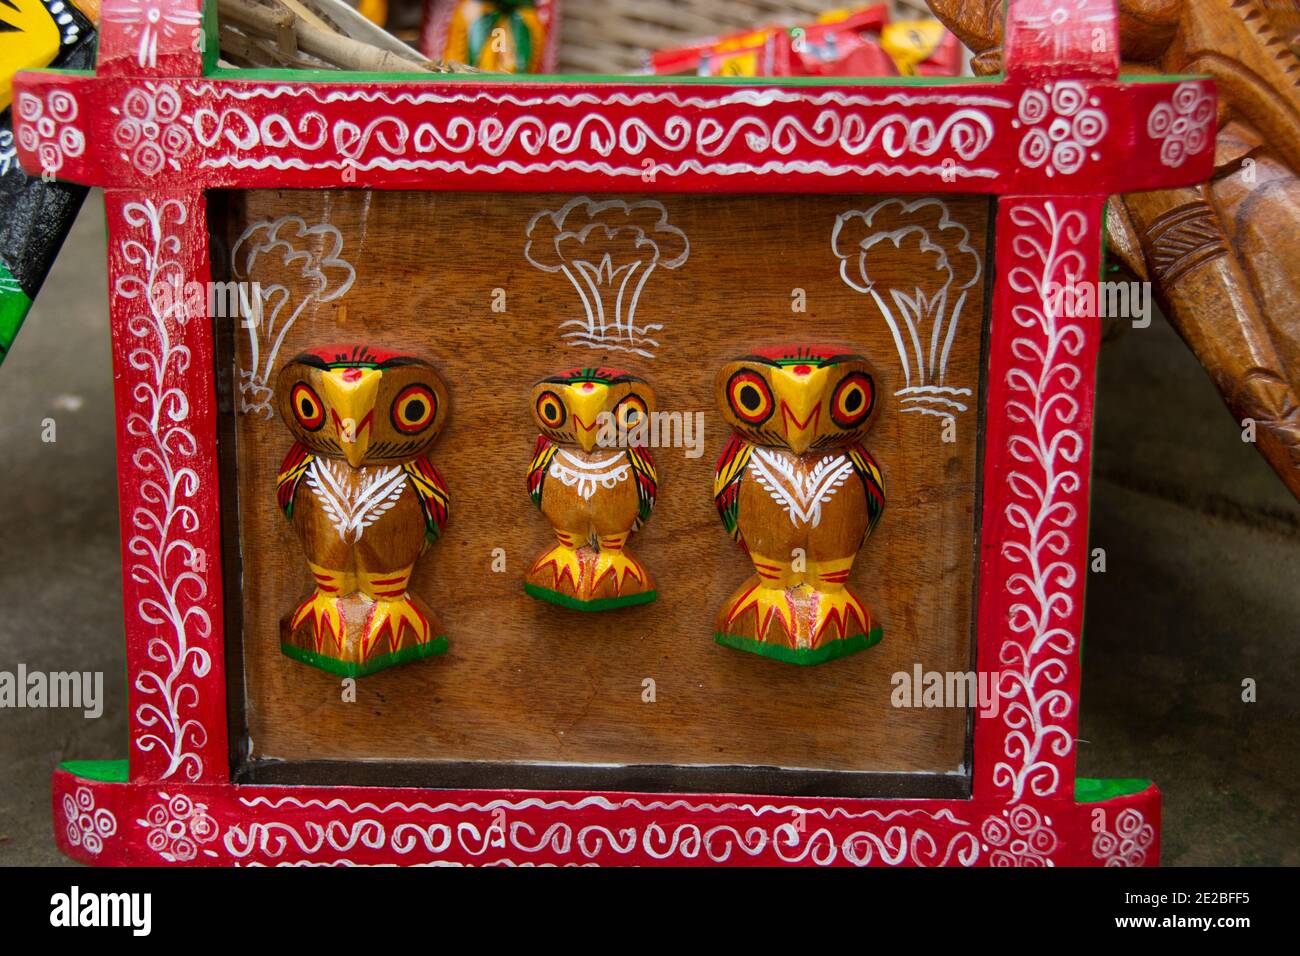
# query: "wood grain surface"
(526, 681)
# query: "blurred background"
(1202, 540)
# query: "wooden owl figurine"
(365, 502)
(800, 494)
(594, 480)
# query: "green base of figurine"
(599, 604)
(324, 662)
(804, 657)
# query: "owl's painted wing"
(543, 452)
(726, 482)
(292, 469)
(873, 482)
(431, 492)
(647, 481)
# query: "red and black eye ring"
(550, 410)
(307, 407)
(750, 397)
(631, 412)
(413, 409)
(853, 399)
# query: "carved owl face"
(570, 408)
(798, 397)
(367, 405)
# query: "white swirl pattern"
(848, 123)
(1047, 447)
(166, 518)
(439, 833)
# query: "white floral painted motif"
(1018, 836)
(1128, 844)
(86, 825)
(1062, 125)
(607, 250)
(150, 132)
(1183, 126)
(354, 507)
(146, 20)
(924, 312)
(587, 476)
(49, 129)
(800, 495)
(313, 253)
(179, 829)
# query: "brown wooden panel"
(527, 681)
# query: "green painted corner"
(14, 306)
(105, 771)
(1092, 790)
(349, 669)
(806, 657)
(600, 604)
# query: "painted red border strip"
(1003, 138)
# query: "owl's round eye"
(413, 409)
(852, 400)
(307, 407)
(550, 410)
(631, 412)
(750, 397)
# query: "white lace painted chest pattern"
(587, 476)
(800, 495)
(353, 507)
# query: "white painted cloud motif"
(607, 250)
(923, 303)
(293, 265)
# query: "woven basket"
(615, 36)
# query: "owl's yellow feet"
(393, 625)
(320, 618)
(559, 570)
(797, 624)
(359, 634)
(590, 579)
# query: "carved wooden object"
(759, 181)
(1221, 256)
(797, 490)
(594, 480)
(365, 502)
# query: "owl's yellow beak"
(350, 397)
(799, 390)
(586, 402)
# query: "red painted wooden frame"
(1051, 140)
